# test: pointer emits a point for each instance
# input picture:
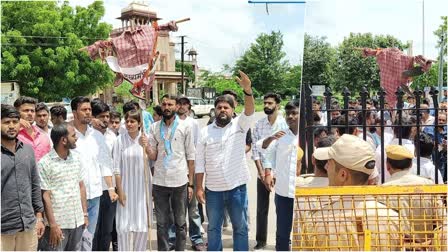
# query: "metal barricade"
(378, 218)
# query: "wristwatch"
(191, 186)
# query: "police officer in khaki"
(423, 212)
(398, 164)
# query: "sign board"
(318, 90)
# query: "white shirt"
(427, 169)
(95, 159)
(405, 142)
(308, 180)
(194, 128)
(281, 157)
(220, 154)
(263, 129)
(174, 173)
(110, 138)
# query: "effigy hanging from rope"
(133, 55)
(396, 69)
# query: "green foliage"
(123, 90)
(318, 57)
(441, 33)
(40, 42)
(352, 69)
(188, 70)
(264, 63)
(429, 78)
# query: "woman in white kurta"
(131, 218)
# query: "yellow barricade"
(377, 218)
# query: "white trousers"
(132, 241)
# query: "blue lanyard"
(167, 142)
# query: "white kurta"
(128, 157)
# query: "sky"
(221, 30)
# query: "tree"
(264, 63)
(221, 83)
(352, 70)
(292, 80)
(441, 33)
(188, 70)
(40, 48)
(318, 56)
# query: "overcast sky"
(221, 30)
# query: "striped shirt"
(128, 158)
(95, 159)
(263, 129)
(220, 154)
(174, 174)
(62, 178)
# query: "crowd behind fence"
(397, 120)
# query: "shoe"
(199, 247)
(172, 247)
(260, 246)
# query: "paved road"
(252, 189)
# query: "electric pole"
(182, 62)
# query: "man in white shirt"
(194, 219)
(95, 158)
(220, 154)
(427, 168)
(172, 147)
(106, 215)
(281, 157)
(407, 130)
(272, 123)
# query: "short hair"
(59, 131)
(230, 92)
(77, 101)
(130, 105)
(225, 98)
(99, 107)
(169, 97)
(9, 111)
(158, 110)
(406, 126)
(324, 142)
(426, 144)
(41, 106)
(274, 96)
(400, 164)
(294, 104)
(59, 110)
(115, 114)
(358, 177)
(133, 114)
(316, 117)
(23, 100)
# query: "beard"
(268, 111)
(222, 119)
(70, 146)
(168, 114)
(10, 136)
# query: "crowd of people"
(94, 182)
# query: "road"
(252, 190)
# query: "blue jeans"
(93, 206)
(284, 208)
(235, 202)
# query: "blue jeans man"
(235, 202)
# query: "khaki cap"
(350, 151)
(299, 153)
(398, 152)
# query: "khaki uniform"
(306, 206)
(422, 212)
(341, 225)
